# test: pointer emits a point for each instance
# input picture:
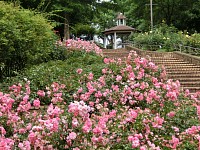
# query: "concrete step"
(184, 72)
(183, 75)
(179, 64)
(182, 69)
(190, 83)
(115, 54)
(192, 89)
(164, 58)
(186, 79)
(158, 54)
(168, 61)
(173, 64)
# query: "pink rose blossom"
(72, 136)
(135, 142)
(171, 114)
(97, 130)
(157, 122)
(74, 122)
(104, 71)
(174, 142)
(90, 76)
(6, 143)
(143, 148)
(87, 126)
(2, 130)
(25, 145)
(131, 76)
(80, 90)
(79, 71)
(198, 111)
(36, 103)
(32, 137)
(41, 93)
(118, 78)
(25, 98)
(21, 131)
(106, 60)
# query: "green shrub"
(165, 37)
(194, 40)
(26, 38)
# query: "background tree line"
(183, 14)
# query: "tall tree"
(65, 12)
(184, 14)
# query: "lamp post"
(151, 12)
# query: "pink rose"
(106, 60)
(104, 71)
(72, 135)
(36, 103)
(90, 76)
(171, 114)
(41, 93)
(32, 137)
(79, 71)
(118, 78)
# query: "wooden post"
(115, 40)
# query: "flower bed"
(131, 106)
(83, 45)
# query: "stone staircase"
(187, 73)
(117, 53)
(177, 68)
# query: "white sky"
(103, 0)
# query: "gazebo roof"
(119, 29)
(120, 16)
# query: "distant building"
(120, 30)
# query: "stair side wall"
(145, 53)
(188, 58)
(183, 56)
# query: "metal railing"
(181, 48)
(188, 49)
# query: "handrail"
(178, 47)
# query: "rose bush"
(83, 45)
(131, 105)
(60, 71)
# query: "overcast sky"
(103, 0)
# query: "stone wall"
(186, 57)
(145, 53)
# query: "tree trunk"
(66, 27)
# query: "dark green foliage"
(83, 29)
(26, 38)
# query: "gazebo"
(121, 30)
